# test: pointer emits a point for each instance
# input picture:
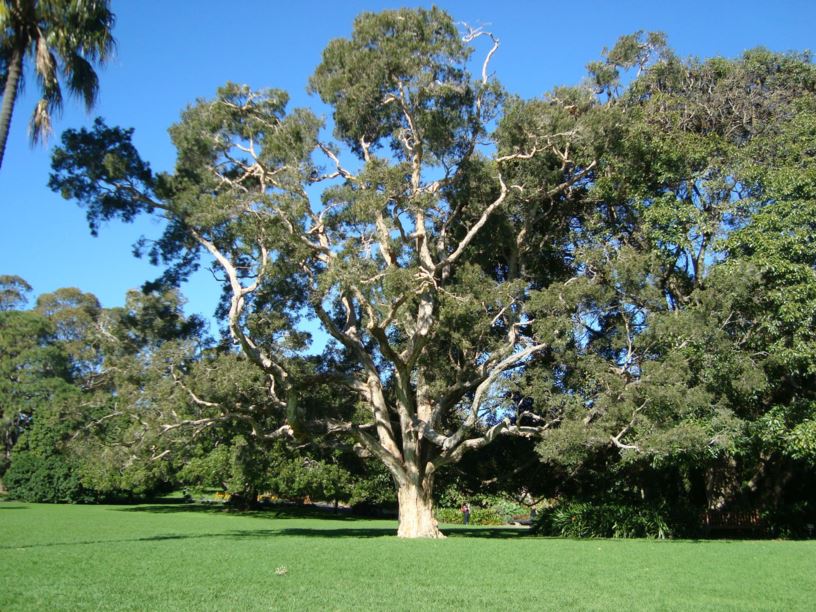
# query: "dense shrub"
(478, 516)
(496, 509)
(506, 509)
(32, 478)
(607, 520)
(795, 521)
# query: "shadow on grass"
(495, 533)
(272, 512)
(323, 532)
(386, 531)
(251, 534)
(300, 512)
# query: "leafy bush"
(608, 520)
(318, 480)
(478, 516)
(32, 478)
(795, 521)
(374, 487)
(452, 497)
(507, 509)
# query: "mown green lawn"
(186, 557)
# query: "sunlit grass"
(185, 557)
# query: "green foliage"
(40, 470)
(478, 516)
(50, 479)
(790, 430)
(790, 522)
(207, 468)
(33, 370)
(400, 60)
(684, 336)
(373, 486)
(303, 477)
(486, 508)
(69, 369)
(636, 49)
(13, 292)
(604, 520)
(109, 155)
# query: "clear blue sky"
(171, 52)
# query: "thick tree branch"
(237, 303)
(482, 389)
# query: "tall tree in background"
(120, 357)
(33, 371)
(692, 310)
(78, 384)
(60, 36)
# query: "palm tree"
(60, 36)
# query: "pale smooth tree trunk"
(9, 94)
(416, 517)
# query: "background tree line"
(604, 295)
(73, 373)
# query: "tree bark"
(722, 484)
(9, 96)
(416, 519)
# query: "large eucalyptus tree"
(408, 260)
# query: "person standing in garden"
(465, 513)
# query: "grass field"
(176, 557)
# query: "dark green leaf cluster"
(400, 60)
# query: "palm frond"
(81, 79)
(45, 64)
(49, 106)
(40, 126)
